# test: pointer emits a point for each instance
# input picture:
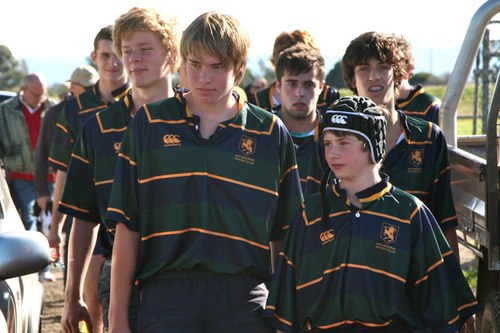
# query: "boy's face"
(110, 68)
(299, 94)
(144, 59)
(208, 78)
(375, 80)
(347, 157)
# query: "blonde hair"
(220, 35)
(143, 19)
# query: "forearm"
(125, 252)
(57, 217)
(81, 245)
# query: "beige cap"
(85, 76)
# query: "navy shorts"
(202, 302)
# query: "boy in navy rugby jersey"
(269, 97)
(364, 255)
(300, 77)
(373, 65)
(147, 44)
(204, 190)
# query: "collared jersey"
(71, 119)
(264, 98)
(92, 167)
(205, 204)
(305, 149)
(385, 265)
(420, 104)
(418, 164)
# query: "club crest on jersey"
(417, 157)
(117, 146)
(247, 145)
(389, 233)
(170, 140)
(326, 236)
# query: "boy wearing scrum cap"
(363, 254)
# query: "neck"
(297, 124)
(211, 115)
(404, 89)
(107, 87)
(353, 186)
(155, 92)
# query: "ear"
(278, 86)
(93, 56)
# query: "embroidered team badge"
(389, 233)
(417, 157)
(247, 145)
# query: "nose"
(115, 60)
(300, 91)
(134, 56)
(204, 74)
(374, 74)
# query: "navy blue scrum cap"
(359, 115)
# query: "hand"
(54, 239)
(75, 312)
(468, 327)
(42, 202)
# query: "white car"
(22, 255)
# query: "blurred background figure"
(257, 85)
(20, 122)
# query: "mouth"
(375, 89)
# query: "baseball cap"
(85, 76)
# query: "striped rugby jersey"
(92, 166)
(386, 266)
(418, 164)
(420, 104)
(71, 119)
(205, 204)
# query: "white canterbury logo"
(339, 119)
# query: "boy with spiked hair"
(204, 190)
(364, 255)
(148, 46)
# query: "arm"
(81, 244)
(275, 247)
(57, 217)
(125, 253)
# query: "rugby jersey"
(420, 104)
(305, 148)
(71, 119)
(205, 204)
(418, 164)
(385, 266)
(92, 167)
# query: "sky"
(56, 36)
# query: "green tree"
(334, 76)
(11, 70)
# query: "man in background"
(20, 121)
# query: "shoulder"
(420, 128)
(259, 119)
(10, 104)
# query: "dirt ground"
(54, 296)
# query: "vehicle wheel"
(490, 321)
